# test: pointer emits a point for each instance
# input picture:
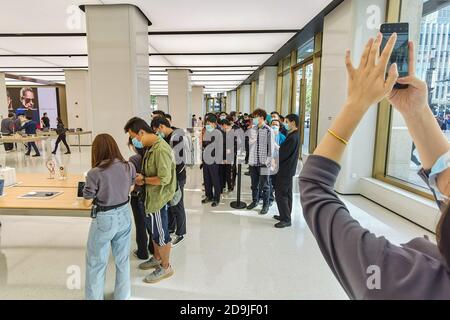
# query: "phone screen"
(80, 189)
(400, 54)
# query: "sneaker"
(36, 155)
(135, 253)
(214, 204)
(27, 154)
(252, 206)
(282, 224)
(152, 263)
(206, 200)
(264, 210)
(159, 274)
(278, 218)
(177, 241)
(68, 152)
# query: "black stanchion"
(238, 204)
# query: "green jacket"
(159, 161)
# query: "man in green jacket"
(159, 177)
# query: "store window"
(305, 51)
(432, 66)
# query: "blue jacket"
(30, 127)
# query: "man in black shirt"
(45, 122)
(288, 159)
(174, 137)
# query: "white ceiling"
(63, 16)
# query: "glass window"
(432, 67)
(286, 94)
(305, 51)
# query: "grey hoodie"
(415, 270)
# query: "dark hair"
(10, 115)
(275, 120)
(159, 113)
(225, 122)
(293, 118)
(29, 117)
(136, 124)
(232, 113)
(223, 112)
(105, 151)
(275, 112)
(157, 121)
(260, 113)
(281, 118)
(230, 118)
(168, 116)
(45, 113)
(193, 115)
(58, 119)
(211, 118)
(443, 233)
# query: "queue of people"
(260, 138)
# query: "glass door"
(302, 103)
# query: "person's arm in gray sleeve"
(348, 248)
(91, 185)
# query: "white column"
(3, 97)
(233, 100)
(180, 100)
(117, 37)
(163, 103)
(245, 98)
(267, 89)
(345, 27)
(198, 101)
(79, 108)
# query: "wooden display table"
(53, 134)
(65, 204)
(22, 139)
(42, 180)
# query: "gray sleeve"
(133, 173)
(348, 248)
(91, 187)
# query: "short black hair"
(159, 113)
(225, 122)
(211, 118)
(10, 115)
(136, 124)
(193, 115)
(281, 118)
(230, 118)
(232, 113)
(223, 112)
(45, 113)
(260, 113)
(157, 121)
(275, 112)
(275, 120)
(293, 118)
(168, 116)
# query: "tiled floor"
(227, 254)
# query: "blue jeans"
(111, 228)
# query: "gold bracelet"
(337, 137)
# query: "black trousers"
(34, 146)
(61, 137)
(260, 185)
(227, 172)
(8, 146)
(177, 214)
(143, 228)
(273, 181)
(211, 178)
(283, 196)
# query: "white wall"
(3, 99)
(245, 98)
(348, 27)
(162, 103)
(79, 108)
(267, 89)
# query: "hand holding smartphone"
(400, 54)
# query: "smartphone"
(80, 189)
(400, 54)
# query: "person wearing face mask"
(143, 223)
(212, 157)
(229, 156)
(279, 139)
(261, 149)
(174, 137)
(276, 116)
(287, 166)
(160, 181)
(419, 269)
